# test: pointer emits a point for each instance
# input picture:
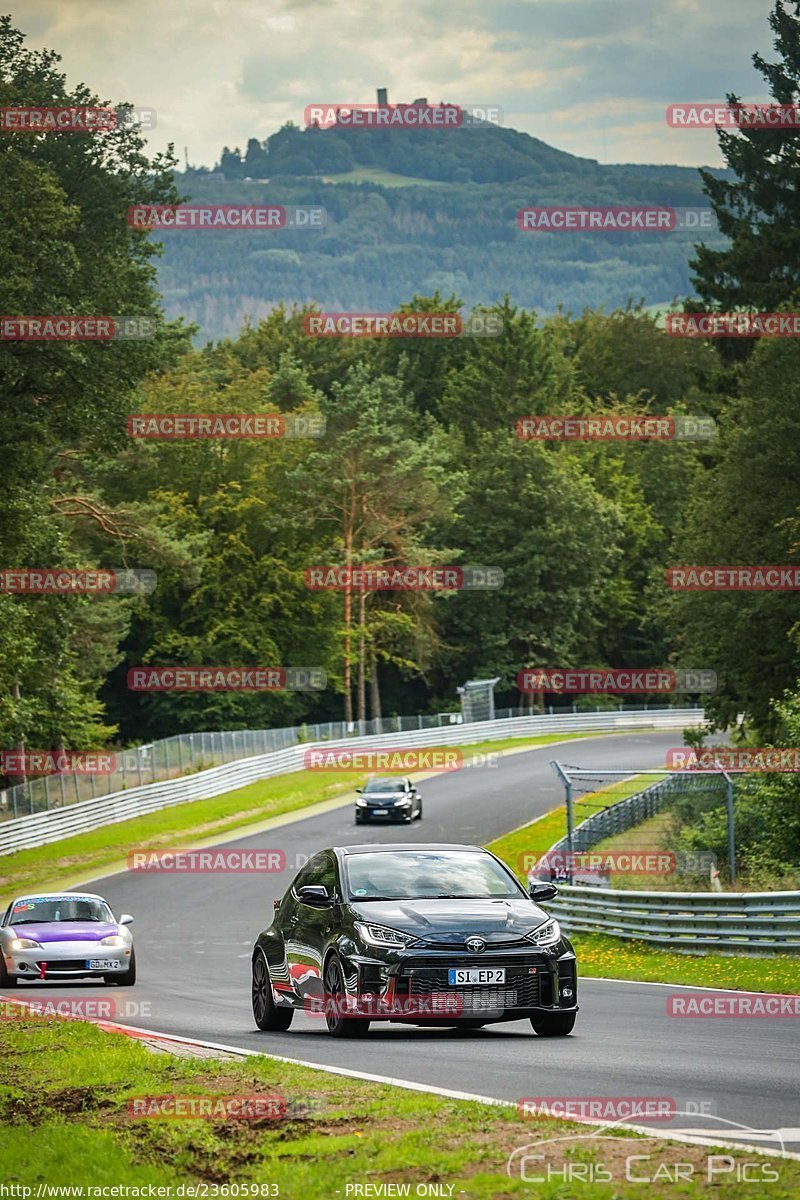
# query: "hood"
(384, 795)
(451, 921)
(66, 931)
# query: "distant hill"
(410, 211)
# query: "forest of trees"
(420, 464)
(451, 227)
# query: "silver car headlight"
(24, 944)
(361, 802)
(113, 939)
(546, 935)
(381, 935)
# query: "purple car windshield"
(59, 908)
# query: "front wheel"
(128, 978)
(340, 1025)
(6, 980)
(553, 1024)
(268, 1016)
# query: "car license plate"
(457, 975)
(102, 964)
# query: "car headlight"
(381, 935)
(361, 802)
(402, 800)
(113, 940)
(546, 935)
(24, 944)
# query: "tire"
(268, 1017)
(6, 980)
(340, 1026)
(553, 1024)
(128, 979)
(419, 814)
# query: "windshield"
(385, 785)
(427, 875)
(59, 908)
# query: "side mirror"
(539, 891)
(359, 789)
(126, 919)
(315, 896)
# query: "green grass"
(601, 955)
(520, 847)
(382, 177)
(65, 1090)
(187, 824)
(617, 959)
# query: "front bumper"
(414, 987)
(67, 960)
(389, 812)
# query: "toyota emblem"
(475, 945)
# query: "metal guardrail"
(39, 829)
(749, 922)
(684, 921)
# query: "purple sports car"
(65, 935)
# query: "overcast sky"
(589, 76)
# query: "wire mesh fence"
(173, 757)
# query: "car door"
(308, 928)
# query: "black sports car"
(390, 799)
(427, 934)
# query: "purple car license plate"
(102, 964)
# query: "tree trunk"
(375, 694)
(348, 614)
(362, 666)
(20, 748)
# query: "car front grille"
(521, 989)
(64, 964)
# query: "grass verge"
(199, 820)
(601, 955)
(66, 1090)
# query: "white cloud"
(586, 75)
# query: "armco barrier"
(39, 829)
(747, 922)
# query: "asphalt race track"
(194, 935)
